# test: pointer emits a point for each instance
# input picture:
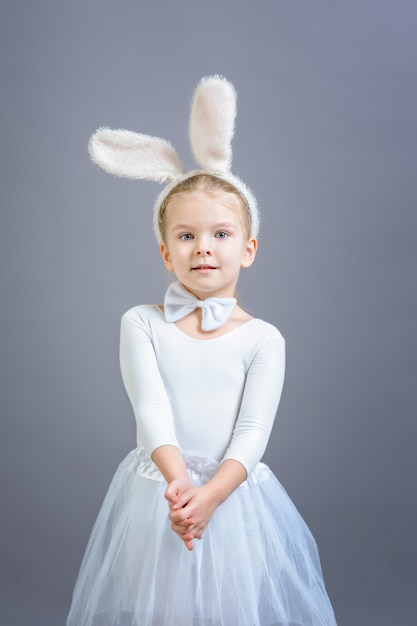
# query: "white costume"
(188, 392)
(215, 399)
(257, 563)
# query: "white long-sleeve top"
(211, 397)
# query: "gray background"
(326, 137)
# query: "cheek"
(177, 253)
(234, 256)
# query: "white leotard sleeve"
(261, 396)
(144, 386)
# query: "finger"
(179, 516)
(183, 499)
(183, 530)
(188, 540)
(171, 494)
(189, 545)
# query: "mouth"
(203, 267)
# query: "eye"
(222, 235)
(186, 237)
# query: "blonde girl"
(195, 530)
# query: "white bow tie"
(179, 302)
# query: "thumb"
(171, 493)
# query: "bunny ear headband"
(137, 156)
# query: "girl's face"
(206, 242)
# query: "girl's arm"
(260, 401)
(150, 402)
(261, 396)
(144, 385)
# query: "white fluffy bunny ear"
(212, 123)
(132, 155)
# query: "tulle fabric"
(257, 564)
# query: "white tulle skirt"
(256, 565)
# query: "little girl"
(195, 530)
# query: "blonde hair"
(203, 182)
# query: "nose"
(203, 251)
(203, 248)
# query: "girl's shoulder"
(144, 311)
(266, 330)
(144, 316)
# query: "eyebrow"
(219, 226)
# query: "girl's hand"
(175, 491)
(191, 507)
(191, 512)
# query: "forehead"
(205, 206)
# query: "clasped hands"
(190, 509)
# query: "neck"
(203, 295)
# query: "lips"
(203, 268)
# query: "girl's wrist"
(170, 462)
(214, 493)
(229, 476)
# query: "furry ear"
(132, 155)
(212, 122)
